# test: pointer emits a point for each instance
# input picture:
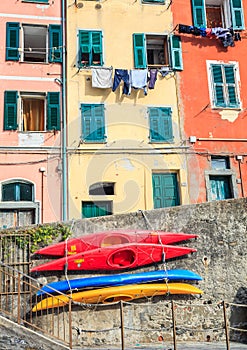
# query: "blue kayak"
(118, 280)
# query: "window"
(221, 187)
(93, 122)
(224, 87)
(218, 13)
(17, 191)
(160, 119)
(153, 1)
(90, 46)
(220, 163)
(157, 51)
(28, 111)
(96, 208)
(102, 188)
(33, 43)
(38, 1)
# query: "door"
(220, 187)
(165, 190)
(16, 217)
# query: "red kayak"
(117, 257)
(108, 238)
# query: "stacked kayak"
(115, 294)
(110, 238)
(116, 257)
(118, 280)
(114, 251)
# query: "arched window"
(17, 191)
(102, 188)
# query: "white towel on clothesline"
(102, 78)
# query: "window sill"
(37, 2)
(226, 108)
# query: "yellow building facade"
(126, 150)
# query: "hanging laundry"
(152, 78)
(138, 79)
(164, 71)
(182, 28)
(102, 77)
(121, 74)
(224, 35)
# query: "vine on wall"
(43, 236)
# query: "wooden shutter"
(218, 86)
(84, 41)
(53, 111)
(12, 41)
(55, 43)
(232, 100)
(237, 14)
(176, 52)
(93, 123)
(139, 43)
(160, 124)
(97, 45)
(10, 110)
(199, 13)
(224, 86)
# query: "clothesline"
(226, 35)
(102, 77)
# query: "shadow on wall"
(238, 317)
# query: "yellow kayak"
(114, 294)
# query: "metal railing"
(18, 296)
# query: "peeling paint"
(30, 139)
(229, 115)
(126, 164)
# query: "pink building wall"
(24, 154)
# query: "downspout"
(64, 119)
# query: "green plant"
(42, 236)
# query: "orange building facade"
(212, 92)
(30, 100)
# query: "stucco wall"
(220, 259)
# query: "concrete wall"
(220, 260)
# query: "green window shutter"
(160, 124)
(55, 43)
(224, 86)
(218, 86)
(97, 45)
(85, 48)
(10, 110)
(199, 13)
(139, 43)
(84, 41)
(12, 41)
(237, 14)
(93, 123)
(97, 42)
(53, 111)
(176, 52)
(231, 86)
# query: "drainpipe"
(64, 110)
